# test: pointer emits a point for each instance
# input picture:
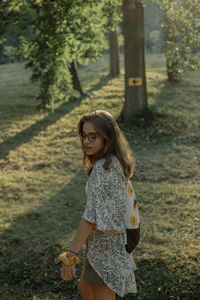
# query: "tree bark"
(114, 53)
(135, 78)
(75, 78)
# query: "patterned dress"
(106, 207)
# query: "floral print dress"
(106, 207)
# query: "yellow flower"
(130, 191)
(135, 204)
(133, 221)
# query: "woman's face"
(92, 140)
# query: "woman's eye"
(93, 137)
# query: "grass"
(42, 183)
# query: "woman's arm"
(83, 231)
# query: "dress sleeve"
(105, 204)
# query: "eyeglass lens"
(91, 137)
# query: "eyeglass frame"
(89, 137)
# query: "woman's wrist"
(72, 252)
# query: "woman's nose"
(86, 140)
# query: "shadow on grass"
(166, 119)
(104, 79)
(173, 119)
(33, 241)
(156, 280)
(26, 135)
(31, 244)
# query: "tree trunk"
(135, 78)
(170, 41)
(170, 74)
(114, 53)
(75, 79)
(170, 44)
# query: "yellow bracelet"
(68, 260)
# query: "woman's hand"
(68, 272)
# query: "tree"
(112, 12)
(114, 19)
(64, 32)
(75, 78)
(170, 41)
(135, 78)
(114, 53)
(181, 27)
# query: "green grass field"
(42, 183)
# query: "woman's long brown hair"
(114, 142)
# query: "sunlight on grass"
(42, 182)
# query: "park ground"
(42, 183)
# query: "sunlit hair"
(114, 142)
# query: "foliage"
(63, 32)
(153, 18)
(15, 26)
(112, 12)
(181, 27)
(9, 51)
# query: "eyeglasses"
(91, 137)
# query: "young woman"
(109, 268)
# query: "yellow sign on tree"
(135, 81)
